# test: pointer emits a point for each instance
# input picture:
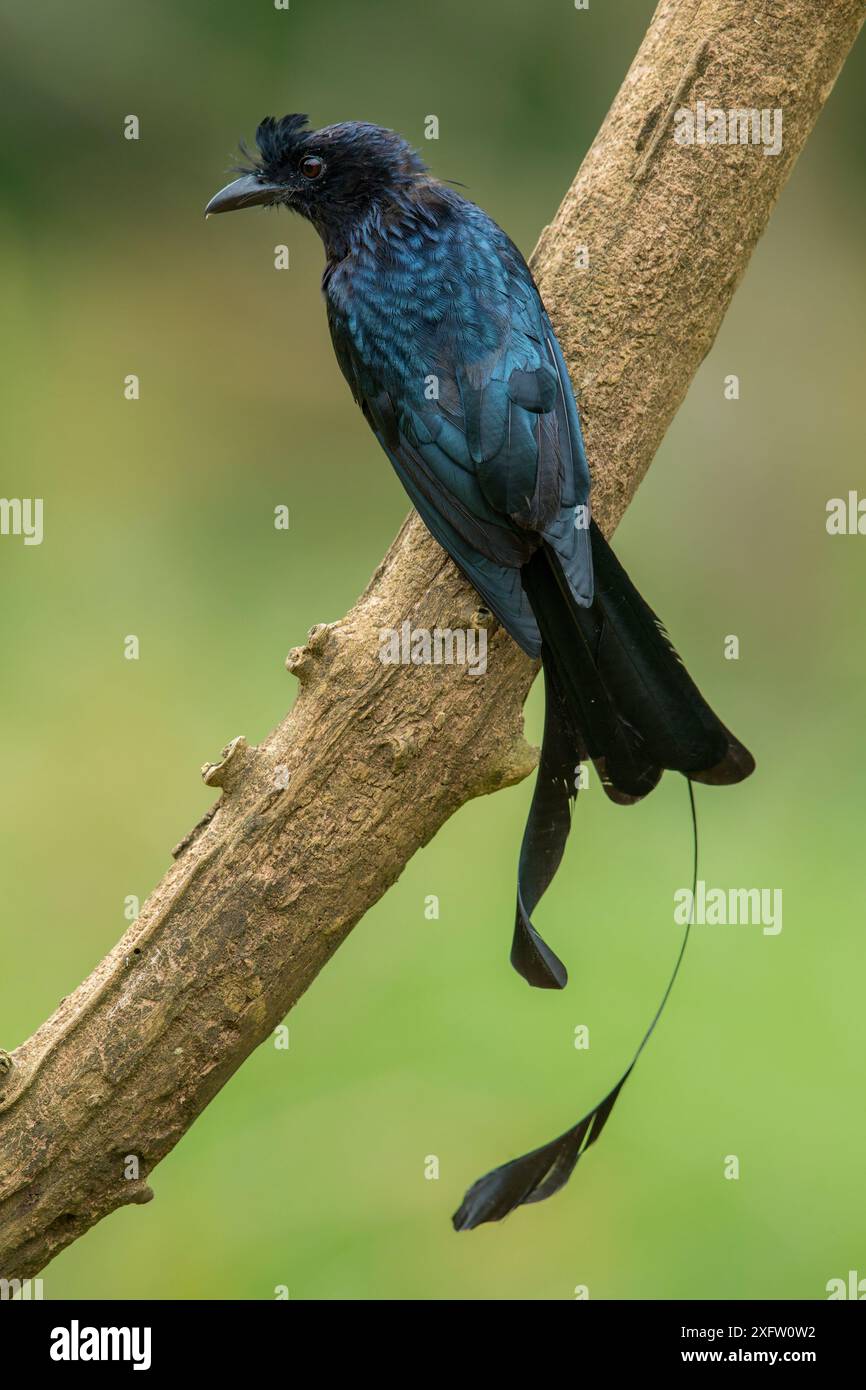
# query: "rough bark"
(315, 824)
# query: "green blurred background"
(308, 1169)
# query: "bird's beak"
(246, 192)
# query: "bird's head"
(331, 176)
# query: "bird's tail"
(539, 1174)
(629, 693)
(618, 693)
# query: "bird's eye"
(312, 167)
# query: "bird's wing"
(478, 418)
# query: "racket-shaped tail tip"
(533, 959)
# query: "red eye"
(312, 167)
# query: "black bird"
(441, 333)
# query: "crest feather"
(277, 138)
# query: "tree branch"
(316, 823)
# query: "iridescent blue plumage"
(442, 336)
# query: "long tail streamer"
(539, 1174)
